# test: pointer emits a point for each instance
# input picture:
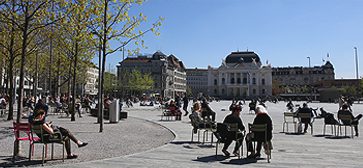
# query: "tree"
(116, 14)
(110, 83)
(29, 17)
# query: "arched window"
(215, 81)
(263, 81)
(254, 81)
(223, 81)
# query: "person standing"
(185, 104)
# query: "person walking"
(185, 104)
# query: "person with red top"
(175, 111)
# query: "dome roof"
(242, 57)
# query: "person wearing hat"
(39, 119)
(233, 118)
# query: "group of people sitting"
(261, 117)
(344, 109)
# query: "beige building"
(168, 72)
(90, 88)
(197, 81)
(301, 76)
(241, 75)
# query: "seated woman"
(174, 110)
(261, 118)
(39, 119)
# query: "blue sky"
(282, 32)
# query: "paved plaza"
(290, 150)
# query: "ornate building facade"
(241, 75)
(168, 72)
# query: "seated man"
(207, 111)
(355, 120)
(39, 119)
(233, 118)
(305, 109)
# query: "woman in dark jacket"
(262, 117)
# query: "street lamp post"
(356, 62)
(310, 78)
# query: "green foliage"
(137, 82)
(110, 84)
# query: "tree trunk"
(103, 59)
(73, 111)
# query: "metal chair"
(289, 118)
(45, 139)
(25, 128)
(306, 116)
(346, 121)
(200, 125)
(255, 128)
(234, 128)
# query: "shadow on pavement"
(294, 133)
(241, 161)
(212, 158)
(19, 162)
(338, 137)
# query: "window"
(238, 80)
(232, 80)
(223, 81)
(222, 91)
(263, 91)
(254, 81)
(263, 81)
(254, 91)
(215, 81)
(244, 80)
(215, 91)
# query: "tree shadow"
(211, 158)
(242, 161)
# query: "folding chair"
(346, 121)
(45, 139)
(255, 128)
(289, 118)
